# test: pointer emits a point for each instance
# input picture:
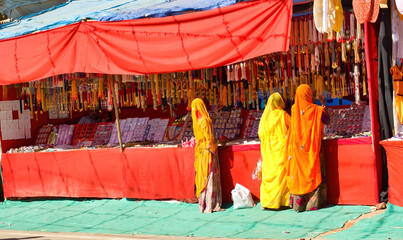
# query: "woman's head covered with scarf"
(303, 96)
(199, 112)
(306, 132)
(274, 102)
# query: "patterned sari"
(208, 183)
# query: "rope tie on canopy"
(16, 61)
(50, 54)
(229, 33)
(138, 48)
(182, 43)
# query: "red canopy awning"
(154, 45)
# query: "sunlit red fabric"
(394, 152)
(154, 45)
(350, 171)
(168, 173)
(165, 173)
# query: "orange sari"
(304, 170)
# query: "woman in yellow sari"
(305, 178)
(208, 183)
(273, 129)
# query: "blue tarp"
(109, 10)
(301, 1)
(168, 8)
(15, 9)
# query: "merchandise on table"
(254, 129)
(140, 129)
(349, 121)
(114, 136)
(102, 134)
(161, 130)
(83, 134)
(154, 124)
(130, 134)
(180, 128)
(252, 120)
(397, 137)
(228, 124)
(43, 135)
(25, 149)
(64, 135)
(188, 130)
(126, 129)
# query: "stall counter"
(394, 153)
(168, 173)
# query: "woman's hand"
(322, 101)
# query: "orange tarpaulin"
(154, 45)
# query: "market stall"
(149, 87)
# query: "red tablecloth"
(103, 173)
(394, 153)
(237, 167)
(168, 173)
(351, 172)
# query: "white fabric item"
(352, 24)
(359, 33)
(397, 33)
(314, 32)
(399, 6)
(317, 15)
(325, 13)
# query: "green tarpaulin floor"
(169, 218)
(388, 225)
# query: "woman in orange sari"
(208, 183)
(305, 172)
(273, 129)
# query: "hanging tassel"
(31, 107)
(343, 79)
(38, 92)
(110, 103)
(357, 84)
(190, 93)
(74, 94)
(100, 87)
(364, 77)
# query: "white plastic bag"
(242, 197)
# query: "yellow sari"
(273, 129)
(208, 185)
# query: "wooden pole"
(116, 106)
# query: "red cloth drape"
(169, 172)
(394, 152)
(350, 168)
(371, 55)
(237, 166)
(103, 173)
(191, 41)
